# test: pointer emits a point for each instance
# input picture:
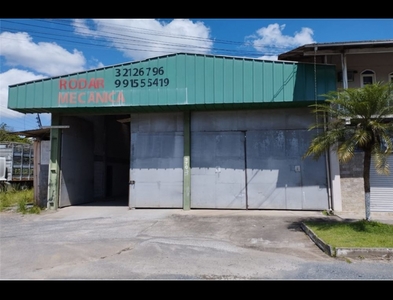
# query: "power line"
(123, 40)
(126, 38)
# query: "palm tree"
(358, 119)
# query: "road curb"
(374, 253)
(381, 253)
(319, 242)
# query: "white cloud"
(48, 59)
(19, 50)
(271, 41)
(15, 120)
(269, 57)
(99, 65)
(144, 38)
(10, 77)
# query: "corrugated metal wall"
(179, 80)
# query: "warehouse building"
(186, 131)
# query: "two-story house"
(357, 64)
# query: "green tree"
(7, 136)
(356, 119)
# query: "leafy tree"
(356, 119)
(6, 136)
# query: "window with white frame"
(367, 77)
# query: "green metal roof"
(179, 81)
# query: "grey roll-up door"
(381, 189)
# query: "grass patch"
(22, 199)
(357, 234)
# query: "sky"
(32, 49)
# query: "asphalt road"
(105, 242)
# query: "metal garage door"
(156, 170)
(253, 160)
(218, 170)
(381, 189)
(278, 177)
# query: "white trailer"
(16, 163)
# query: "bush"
(19, 197)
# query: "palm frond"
(355, 118)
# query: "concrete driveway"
(105, 241)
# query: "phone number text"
(134, 72)
(135, 83)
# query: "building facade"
(357, 64)
(185, 131)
